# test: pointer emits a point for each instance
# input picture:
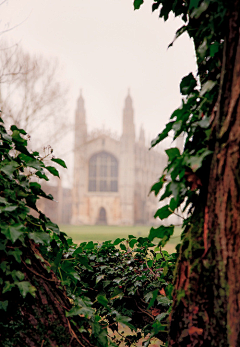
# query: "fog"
(105, 48)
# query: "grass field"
(99, 233)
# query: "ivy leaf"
(161, 316)
(53, 170)
(195, 162)
(102, 300)
(59, 162)
(123, 247)
(177, 113)
(154, 295)
(25, 287)
(163, 300)
(39, 237)
(179, 32)
(158, 185)
(132, 243)
(8, 208)
(9, 168)
(167, 192)
(214, 48)
(57, 260)
(7, 286)
(160, 232)
(3, 266)
(30, 161)
(163, 212)
(102, 338)
(14, 232)
(117, 241)
(41, 175)
(99, 278)
(162, 135)
(7, 137)
(155, 5)
(52, 226)
(137, 4)
(172, 153)
(20, 275)
(84, 310)
(124, 320)
(187, 84)
(207, 87)
(150, 263)
(200, 9)
(4, 305)
(204, 123)
(202, 49)
(17, 254)
(173, 204)
(21, 131)
(16, 137)
(3, 200)
(193, 4)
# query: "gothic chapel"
(112, 177)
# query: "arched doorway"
(102, 216)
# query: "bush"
(54, 292)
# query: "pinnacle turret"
(80, 110)
(128, 113)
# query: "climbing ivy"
(108, 286)
(126, 282)
(184, 184)
(185, 174)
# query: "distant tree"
(205, 177)
(31, 94)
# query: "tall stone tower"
(127, 162)
(79, 186)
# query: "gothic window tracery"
(103, 173)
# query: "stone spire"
(80, 122)
(80, 110)
(128, 113)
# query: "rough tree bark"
(206, 308)
(39, 321)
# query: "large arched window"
(103, 173)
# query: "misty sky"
(104, 48)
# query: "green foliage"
(126, 282)
(17, 195)
(185, 180)
(185, 175)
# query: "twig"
(160, 250)
(150, 270)
(47, 279)
(73, 334)
(143, 311)
(176, 213)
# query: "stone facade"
(113, 176)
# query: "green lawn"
(99, 233)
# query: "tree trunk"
(206, 308)
(39, 321)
